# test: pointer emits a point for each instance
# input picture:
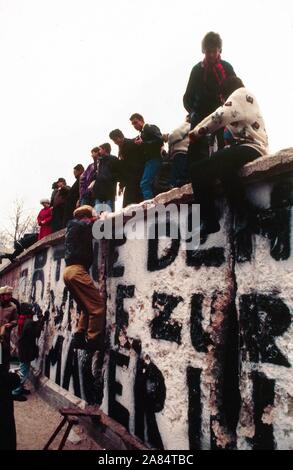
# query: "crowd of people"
(223, 130)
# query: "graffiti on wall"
(198, 340)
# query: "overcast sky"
(73, 70)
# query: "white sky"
(73, 70)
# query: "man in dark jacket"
(59, 205)
(151, 141)
(73, 195)
(78, 259)
(204, 89)
(131, 167)
(28, 331)
(104, 187)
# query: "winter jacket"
(44, 221)
(241, 117)
(70, 203)
(78, 243)
(202, 95)
(27, 347)
(85, 180)
(58, 208)
(152, 141)
(178, 140)
(106, 178)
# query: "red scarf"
(217, 69)
(20, 322)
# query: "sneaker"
(19, 398)
(78, 341)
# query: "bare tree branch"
(20, 222)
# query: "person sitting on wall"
(45, 219)
(245, 139)
(151, 141)
(78, 259)
(20, 245)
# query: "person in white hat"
(45, 219)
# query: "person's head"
(45, 203)
(230, 85)
(95, 153)
(6, 294)
(117, 136)
(83, 212)
(211, 47)
(26, 309)
(61, 182)
(137, 121)
(105, 149)
(54, 185)
(78, 170)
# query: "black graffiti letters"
(163, 326)
(262, 319)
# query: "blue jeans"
(24, 369)
(103, 206)
(151, 168)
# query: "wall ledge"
(265, 167)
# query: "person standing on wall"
(204, 88)
(86, 179)
(78, 259)
(105, 182)
(131, 167)
(73, 195)
(45, 219)
(59, 205)
(178, 142)
(151, 142)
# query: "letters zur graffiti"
(259, 319)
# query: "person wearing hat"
(45, 219)
(78, 259)
(8, 321)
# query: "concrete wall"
(199, 343)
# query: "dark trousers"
(132, 192)
(179, 170)
(223, 165)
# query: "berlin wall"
(199, 343)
